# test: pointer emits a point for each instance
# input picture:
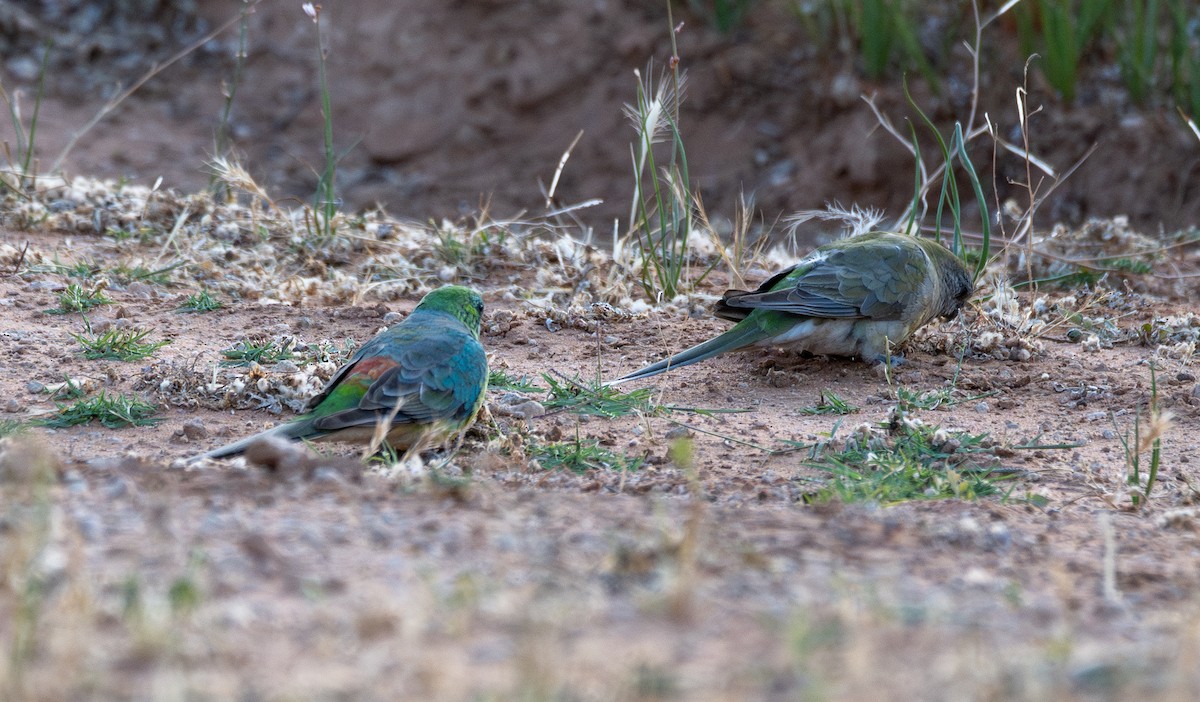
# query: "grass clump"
(112, 411)
(125, 274)
(830, 403)
(606, 401)
(581, 456)
(662, 214)
(119, 345)
(1144, 437)
(325, 202)
(21, 175)
(77, 298)
(499, 380)
(202, 301)
(906, 459)
(257, 350)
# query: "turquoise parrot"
(858, 296)
(424, 378)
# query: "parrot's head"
(463, 303)
(955, 282)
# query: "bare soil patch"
(130, 575)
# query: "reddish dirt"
(131, 576)
(443, 106)
(325, 582)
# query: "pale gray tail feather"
(290, 430)
(738, 337)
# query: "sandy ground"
(132, 576)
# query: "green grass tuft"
(11, 427)
(582, 455)
(120, 345)
(77, 298)
(202, 301)
(830, 403)
(499, 380)
(257, 350)
(112, 411)
(905, 460)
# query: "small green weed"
(258, 350)
(125, 274)
(120, 345)
(325, 201)
(661, 216)
(1146, 437)
(11, 427)
(499, 380)
(906, 459)
(881, 25)
(202, 301)
(141, 233)
(830, 404)
(606, 401)
(77, 298)
(582, 455)
(21, 164)
(83, 269)
(112, 411)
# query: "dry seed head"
(1156, 429)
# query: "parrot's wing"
(428, 379)
(865, 282)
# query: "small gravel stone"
(35, 386)
(982, 408)
(393, 318)
(194, 429)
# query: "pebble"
(982, 408)
(194, 429)
(13, 405)
(286, 367)
(35, 386)
(393, 318)
(678, 433)
(48, 285)
(24, 68)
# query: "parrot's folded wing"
(434, 379)
(866, 282)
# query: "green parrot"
(425, 378)
(858, 296)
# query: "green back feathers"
(464, 304)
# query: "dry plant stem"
(562, 163)
(119, 98)
(1030, 188)
(1111, 593)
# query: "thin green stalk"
(984, 215)
(230, 89)
(326, 197)
(1137, 48)
(37, 106)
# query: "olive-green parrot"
(425, 378)
(858, 296)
